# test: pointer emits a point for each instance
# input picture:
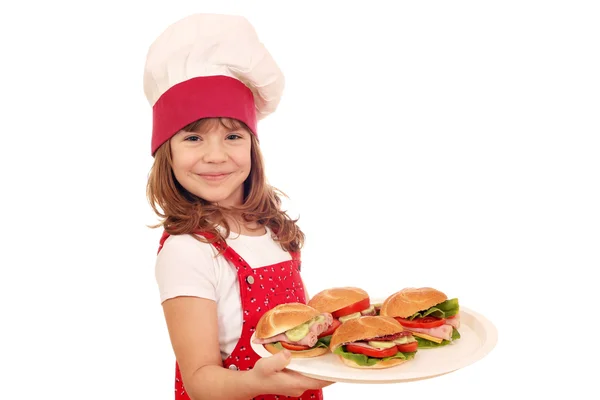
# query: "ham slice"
(328, 321)
(309, 340)
(442, 332)
(278, 338)
(455, 322)
(315, 330)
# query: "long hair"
(182, 212)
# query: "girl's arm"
(192, 324)
(193, 329)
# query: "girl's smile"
(215, 177)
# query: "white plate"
(478, 338)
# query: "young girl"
(228, 253)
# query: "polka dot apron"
(260, 290)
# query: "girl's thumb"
(279, 361)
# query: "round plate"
(478, 338)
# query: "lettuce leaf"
(428, 344)
(445, 309)
(325, 340)
(455, 334)
(432, 311)
(364, 360)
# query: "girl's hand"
(270, 376)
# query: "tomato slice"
(375, 353)
(352, 308)
(425, 323)
(408, 347)
(295, 347)
(332, 328)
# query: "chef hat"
(209, 65)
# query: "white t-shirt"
(188, 267)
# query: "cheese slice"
(424, 336)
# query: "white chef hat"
(209, 65)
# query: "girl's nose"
(215, 153)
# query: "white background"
(446, 144)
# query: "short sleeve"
(186, 267)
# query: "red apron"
(260, 290)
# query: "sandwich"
(293, 326)
(373, 342)
(426, 312)
(343, 303)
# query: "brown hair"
(185, 213)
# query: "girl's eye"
(193, 138)
(234, 136)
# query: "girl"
(228, 253)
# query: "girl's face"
(213, 164)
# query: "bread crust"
(284, 317)
(331, 300)
(380, 365)
(317, 351)
(408, 301)
(364, 328)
